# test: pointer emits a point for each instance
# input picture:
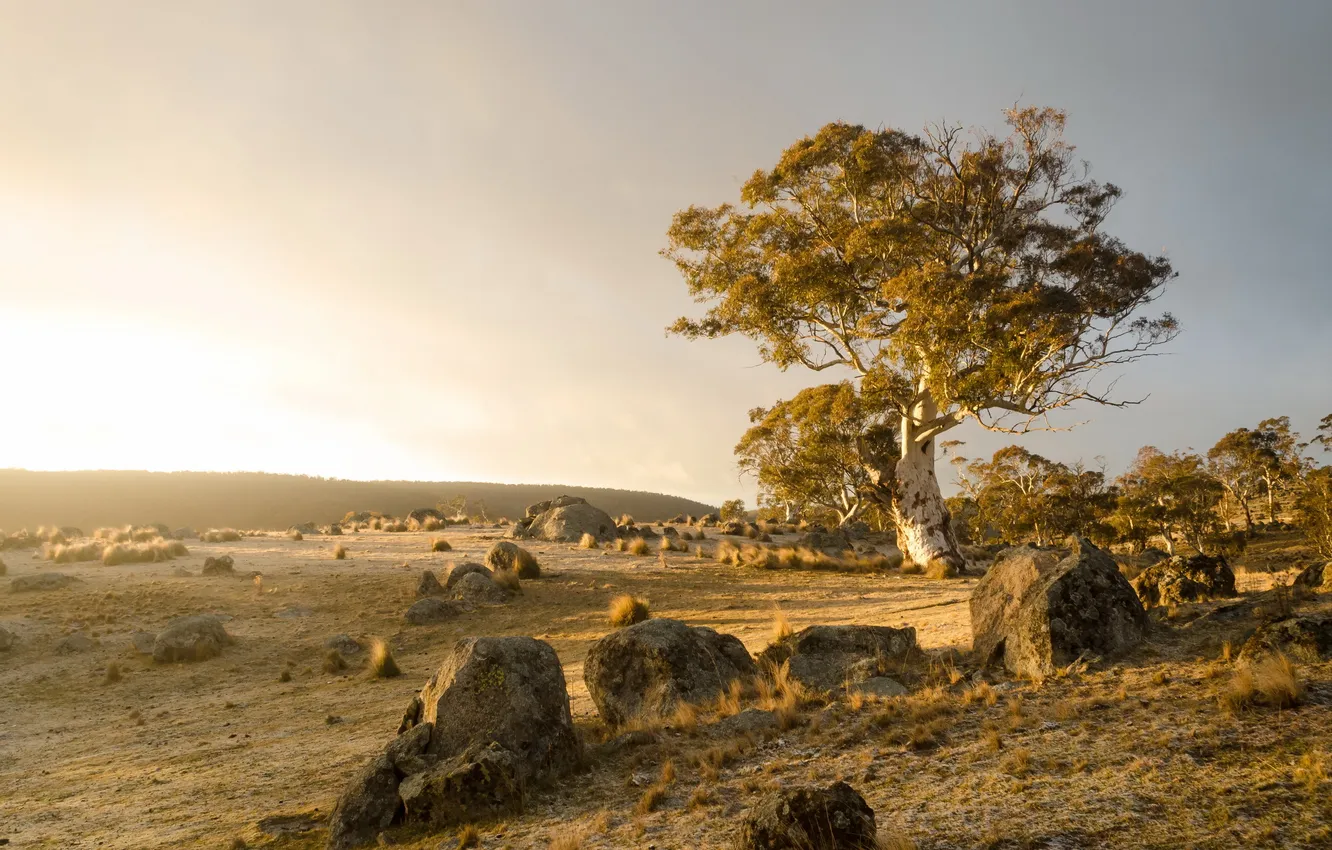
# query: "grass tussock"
(587, 541)
(334, 662)
(145, 553)
(468, 836)
(382, 665)
(1271, 682)
(621, 545)
(637, 546)
(339, 552)
(66, 553)
(670, 544)
(781, 626)
(220, 535)
(527, 565)
(625, 610)
(112, 673)
(508, 579)
(294, 534)
(441, 545)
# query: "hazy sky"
(419, 240)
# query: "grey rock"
(429, 585)
(810, 818)
(77, 642)
(41, 581)
(1307, 637)
(476, 588)
(505, 555)
(1316, 577)
(221, 565)
(649, 668)
(751, 721)
(482, 783)
(424, 612)
(1177, 580)
(568, 522)
(143, 642)
(194, 638)
(370, 804)
(7, 640)
(882, 686)
(458, 571)
(1035, 613)
(344, 643)
(827, 658)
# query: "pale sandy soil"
(1134, 754)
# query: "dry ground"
(1137, 754)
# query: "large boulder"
(810, 818)
(195, 638)
(1308, 637)
(1195, 579)
(649, 668)
(537, 509)
(827, 658)
(1035, 613)
(492, 721)
(567, 522)
(429, 585)
(431, 610)
(41, 581)
(1313, 577)
(479, 588)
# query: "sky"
(419, 240)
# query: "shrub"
(781, 627)
(131, 553)
(340, 552)
(625, 610)
(1271, 681)
(670, 544)
(382, 665)
(587, 541)
(637, 546)
(468, 836)
(62, 553)
(620, 544)
(441, 545)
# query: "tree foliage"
(1170, 495)
(1313, 509)
(805, 452)
(1024, 497)
(732, 510)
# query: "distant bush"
(62, 553)
(220, 535)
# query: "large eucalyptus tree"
(955, 277)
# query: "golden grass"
(526, 565)
(626, 609)
(637, 546)
(132, 553)
(781, 626)
(587, 541)
(334, 662)
(293, 534)
(684, 718)
(220, 535)
(340, 552)
(911, 568)
(1272, 681)
(112, 673)
(507, 579)
(439, 544)
(382, 665)
(64, 553)
(468, 836)
(569, 838)
(670, 544)
(728, 702)
(620, 545)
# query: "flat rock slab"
(41, 581)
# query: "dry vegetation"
(1183, 744)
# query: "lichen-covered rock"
(480, 784)
(1195, 579)
(222, 565)
(344, 644)
(77, 642)
(649, 668)
(370, 804)
(1313, 577)
(1307, 637)
(1035, 613)
(510, 556)
(429, 585)
(41, 581)
(479, 589)
(567, 519)
(195, 638)
(826, 658)
(431, 610)
(457, 572)
(810, 818)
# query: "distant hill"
(261, 500)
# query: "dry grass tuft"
(293, 534)
(781, 627)
(468, 836)
(728, 702)
(145, 553)
(625, 610)
(507, 579)
(893, 840)
(937, 569)
(1272, 681)
(651, 799)
(670, 544)
(112, 673)
(569, 838)
(1017, 762)
(637, 546)
(621, 545)
(911, 568)
(64, 553)
(441, 545)
(684, 718)
(587, 541)
(340, 552)
(334, 662)
(220, 535)
(382, 665)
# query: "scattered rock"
(221, 565)
(77, 642)
(881, 686)
(345, 644)
(810, 818)
(180, 572)
(826, 658)
(279, 825)
(7, 640)
(143, 642)
(1314, 577)
(1195, 579)
(480, 784)
(458, 571)
(370, 804)
(1307, 637)
(194, 638)
(41, 581)
(751, 721)
(479, 588)
(834, 544)
(1037, 613)
(566, 520)
(424, 612)
(648, 668)
(429, 585)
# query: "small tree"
(454, 508)
(1283, 460)
(1237, 462)
(732, 510)
(805, 452)
(953, 280)
(1170, 495)
(1023, 496)
(1313, 509)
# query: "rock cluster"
(564, 520)
(828, 658)
(1176, 580)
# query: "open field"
(1135, 754)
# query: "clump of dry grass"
(294, 534)
(468, 836)
(621, 545)
(781, 626)
(441, 545)
(65, 553)
(637, 546)
(684, 718)
(507, 579)
(132, 553)
(587, 541)
(656, 793)
(1017, 762)
(220, 535)
(625, 610)
(112, 673)
(911, 568)
(728, 702)
(670, 544)
(569, 838)
(382, 665)
(1272, 681)
(340, 552)
(334, 662)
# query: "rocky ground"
(1140, 752)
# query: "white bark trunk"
(924, 527)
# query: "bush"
(637, 546)
(1271, 681)
(131, 553)
(70, 554)
(382, 665)
(295, 535)
(625, 610)
(441, 545)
